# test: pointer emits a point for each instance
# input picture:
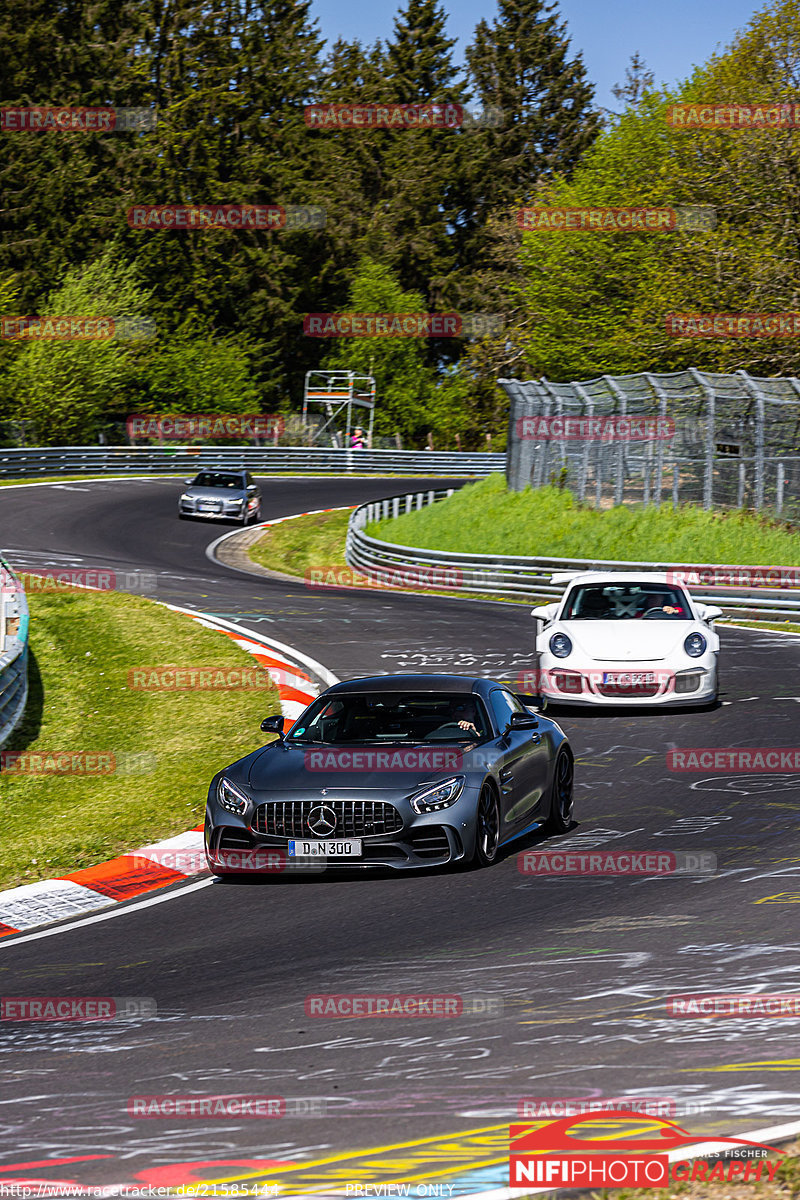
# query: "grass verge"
(485, 518)
(316, 542)
(82, 647)
(302, 543)
(313, 547)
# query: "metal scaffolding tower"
(337, 393)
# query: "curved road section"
(565, 980)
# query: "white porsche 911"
(616, 639)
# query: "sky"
(671, 35)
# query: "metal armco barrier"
(13, 651)
(183, 460)
(520, 576)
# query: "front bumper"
(232, 514)
(391, 833)
(236, 850)
(582, 684)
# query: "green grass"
(297, 545)
(485, 518)
(82, 646)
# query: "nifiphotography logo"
(572, 1152)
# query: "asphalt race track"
(583, 966)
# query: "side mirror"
(273, 725)
(187, 481)
(711, 613)
(545, 612)
(251, 487)
(523, 721)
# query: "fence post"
(662, 414)
(583, 475)
(758, 464)
(542, 453)
(619, 476)
(708, 473)
(779, 483)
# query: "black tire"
(487, 837)
(561, 793)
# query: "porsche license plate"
(629, 679)
(350, 848)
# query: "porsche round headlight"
(560, 645)
(231, 798)
(695, 645)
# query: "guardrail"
(528, 577)
(181, 460)
(13, 651)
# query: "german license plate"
(350, 848)
(629, 679)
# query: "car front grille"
(354, 818)
(636, 691)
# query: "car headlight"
(187, 498)
(560, 645)
(695, 645)
(231, 798)
(439, 795)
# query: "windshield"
(389, 718)
(218, 479)
(626, 601)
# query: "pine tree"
(522, 65)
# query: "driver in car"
(465, 716)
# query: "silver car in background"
(221, 496)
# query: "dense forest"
(416, 219)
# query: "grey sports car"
(221, 495)
(397, 771)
